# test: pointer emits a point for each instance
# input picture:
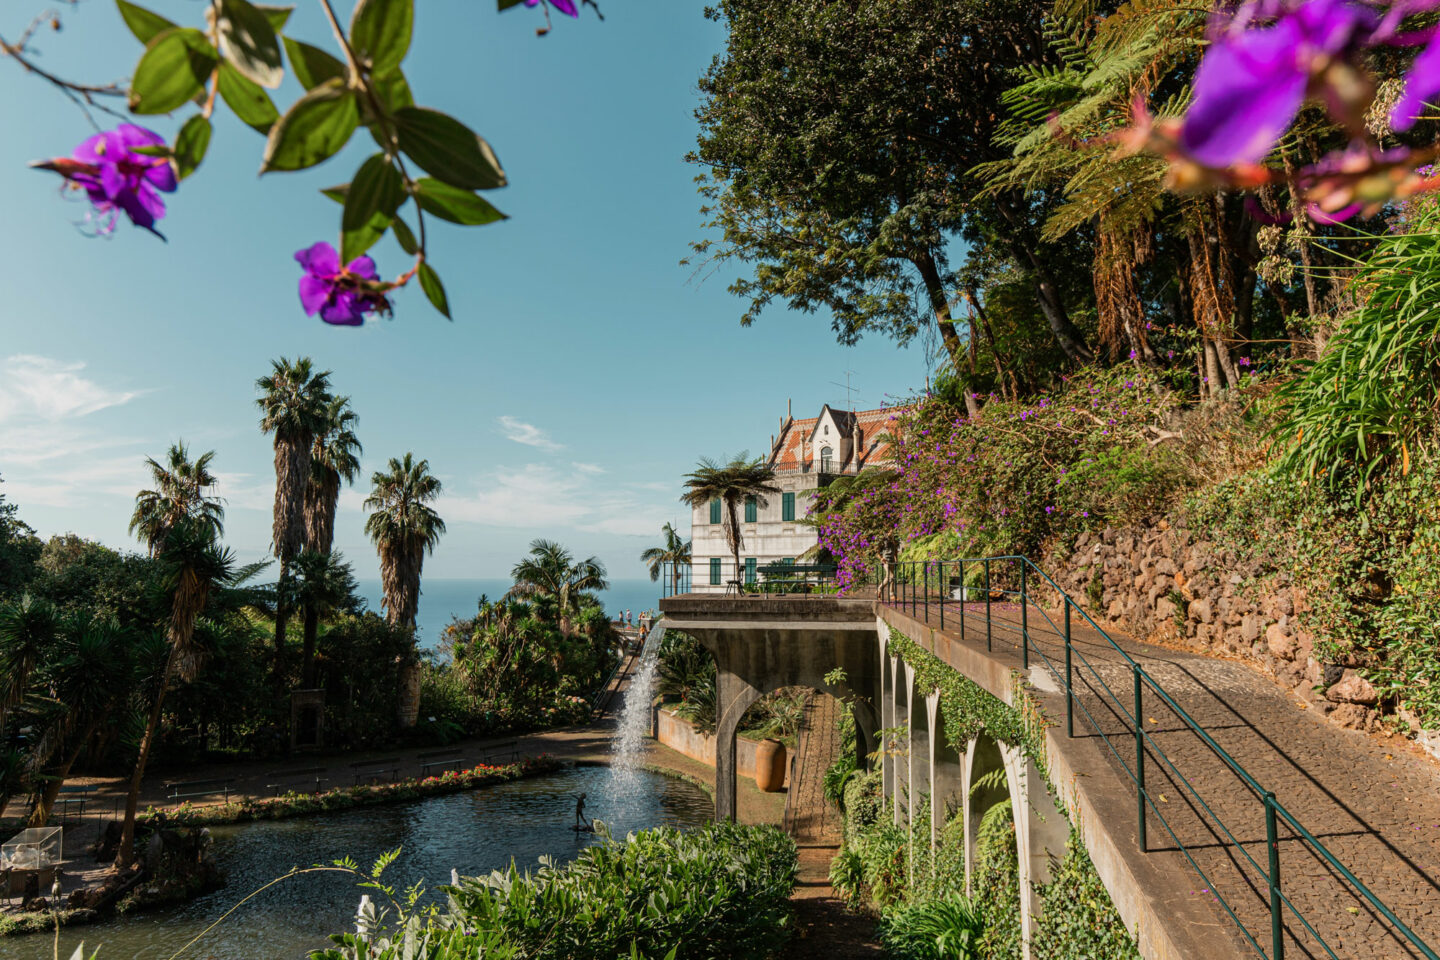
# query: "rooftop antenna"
(849, 390)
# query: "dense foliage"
(715, 892)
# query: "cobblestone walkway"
(809, 817)
(1372, 802)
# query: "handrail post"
(987, 604)
(1024, 621)
(927, 592)
(1277, 921)
(1139, 757)
(961, 564)
(1069, 688)
(944, 585)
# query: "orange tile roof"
(787, 455)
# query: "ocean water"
(443, 600)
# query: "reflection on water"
(471, 832)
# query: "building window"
(749, 569)
(715, 510)
(715, 571)
(787, 507)
(827, 460)
(751, 509)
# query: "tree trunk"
(312, 630)
(51, 793)
(282, 617)
(734, 531)
(1071, 340)
(939, 306)
(126, 854)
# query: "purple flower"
(1421, 85)
(567, 7)
(116, 178)
(1251, 83)
(342, 296)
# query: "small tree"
(675, 551)
(731, 484)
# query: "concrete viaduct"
(764, 643)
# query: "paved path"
(1372, 802)
(809, 817)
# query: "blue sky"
(584, 373)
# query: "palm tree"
(731, 483)
(28, 627)
(334, 457)
(179, 493)
(551, 572)
(295, 400)
(195, 565)
(403, 529)
(675, 552)
(324, 584)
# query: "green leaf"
(311, 65)
(191, 144)
(507, 4)
(153, 150)
(249, 42)
(405, 238)
(172, 70)
(337, 193)
(145, 24)
(278, 16)
(446, 148)
(453, 204)
(249, 101)
(314, 128)
(380, 33)
(377, 188)
(434, 289)
(355, 242)
(393, 90)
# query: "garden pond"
(473, 832)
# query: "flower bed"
(346, 798)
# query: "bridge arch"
(919, 761)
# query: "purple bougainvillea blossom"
(116, 178)
(341, 296)
(1422, 83)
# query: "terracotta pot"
(770, 766)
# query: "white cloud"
(588, 468)
(47, 389)
(543, 498)
(526, 433)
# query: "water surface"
(473, 832)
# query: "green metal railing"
(910, 589)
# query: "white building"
(806, 455)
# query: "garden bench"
(495, 750)
(372, 770)
(285, 779)
(178, 790)
(444, 759)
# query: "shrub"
(948, 928)
(720, 891)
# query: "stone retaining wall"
(1167, 584)
(678, 734)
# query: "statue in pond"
(581, 824)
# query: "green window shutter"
(749, 569)
(715, 510)
(751, 510)
(715, 571)
(787, 507)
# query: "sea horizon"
(444, 599)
